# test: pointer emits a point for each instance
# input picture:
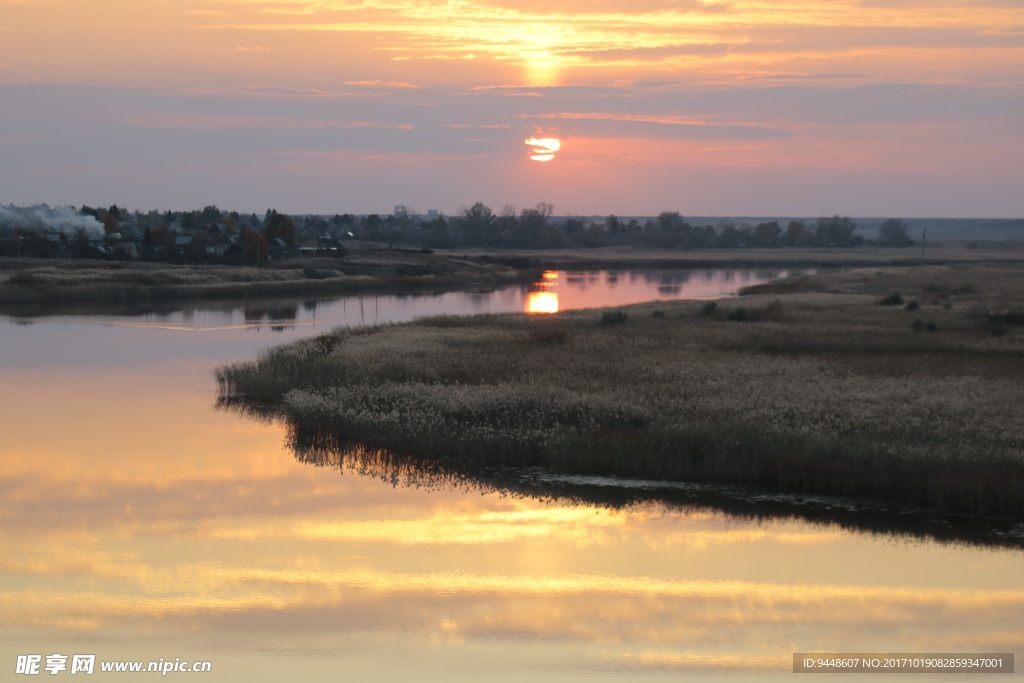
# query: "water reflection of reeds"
(325, 448)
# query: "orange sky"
(748, 107)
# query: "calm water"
(138, 522)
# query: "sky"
(888, 108)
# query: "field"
(935, 254)
(901, 385)
(36, 280)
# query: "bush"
(658, 314)
(912, 306)
(931, 327)
(614, 318)
(738, 314)
(314, 273)
(708, 307)
(24, 279)
(545, 334)
(918, 325)
(893, 299)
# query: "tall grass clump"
(23, 278)
(894, 299)
(611, 318)
(738, 314)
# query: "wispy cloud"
(584, 34)
(213, 122)
(382, 84)
(662, 119)
(206, 13)
(355, 155)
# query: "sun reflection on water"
(543, 297)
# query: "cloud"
(653, 125)
(382, 84)
(213, 122)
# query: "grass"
(818, 391)
(52, 280)
(609, 318)
(784, 257)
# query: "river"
(140, 523)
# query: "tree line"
(248, 237)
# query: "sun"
(543, 149)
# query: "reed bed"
(32, 280)
(818, 391)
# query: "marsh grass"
(817, 392)
(23, 278)
(548, 332)
(610, 318)
(35, 280)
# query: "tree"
(477, 223)
(533, 225)
(279, 226)
(255, 247)
(766, 234)
(894, 233)
(110, 224)
(796, 234)
(507, 223)
(671, 221)
(728, 235)
(436, 232)
(211, 215)
(836, 231)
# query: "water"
(139, 523)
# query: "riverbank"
(379, 270)
(373, 268)
(782, 257)
(897, 385)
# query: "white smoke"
(49, 219)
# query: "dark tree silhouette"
(894, 233)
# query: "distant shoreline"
(30, 280)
